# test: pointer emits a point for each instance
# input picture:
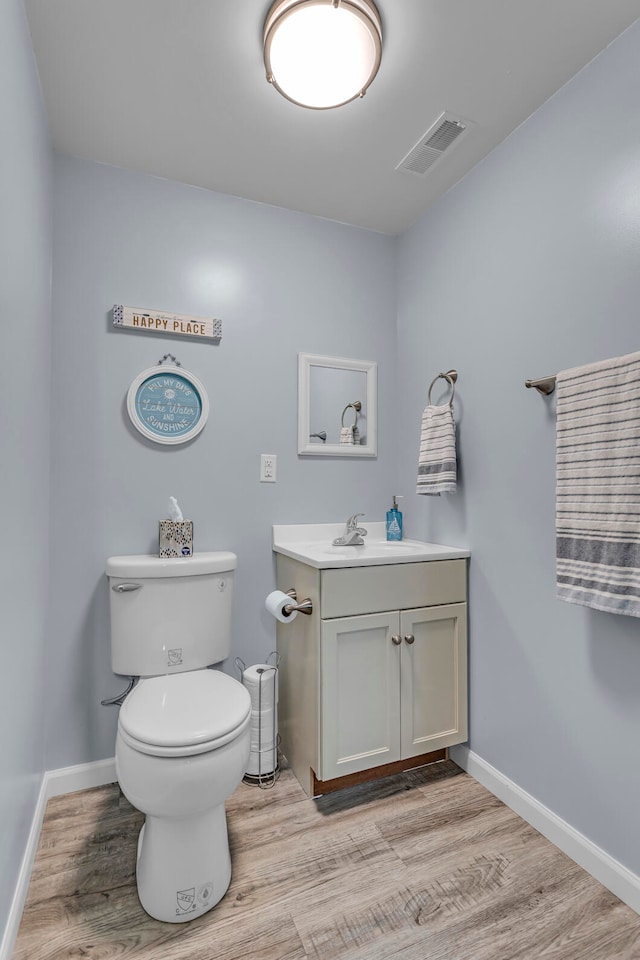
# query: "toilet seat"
(184, 714)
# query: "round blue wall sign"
(167, 404)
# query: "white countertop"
(312, 543)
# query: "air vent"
(440, 136)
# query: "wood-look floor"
(425, 865)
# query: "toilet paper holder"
(268, 771)
(305, 606)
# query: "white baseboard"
(54, 782)
(611, 874)
(20, 893)
(81, 777)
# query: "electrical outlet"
(268, 467)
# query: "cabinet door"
(433, 678)
(360, 689)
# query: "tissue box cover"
(175, 538)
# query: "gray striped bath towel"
(437, 468)
(598, 485)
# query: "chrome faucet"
(353, 534)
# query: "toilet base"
(184, 866)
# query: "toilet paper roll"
(261, 682)
(252, 675)
(263, 726)
(260, 716)
(262, 707)
(263, 732)
(275, 604)
(262, 747)
(262, 764)
(262, 767)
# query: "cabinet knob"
(409, 638)
(396, 639)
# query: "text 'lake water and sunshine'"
(168, 404)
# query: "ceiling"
(176, 88)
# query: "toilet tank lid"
(216, 561)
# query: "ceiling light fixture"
(322, 53)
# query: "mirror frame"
(369, 367)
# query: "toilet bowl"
(183, 737)
(182, 748)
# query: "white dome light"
(322, 53)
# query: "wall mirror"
(337, 400)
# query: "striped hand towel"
(437, 469)
(598, 485)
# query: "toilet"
(183, 739)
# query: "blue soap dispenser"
(394, 520)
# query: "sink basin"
(312, 544)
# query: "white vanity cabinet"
(378, 673)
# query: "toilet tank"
(170, 615)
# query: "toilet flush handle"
(126, 587)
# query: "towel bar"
(545, 385)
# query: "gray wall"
(282, 283)
(25, 314)
(531, 265)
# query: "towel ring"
(357, 407)
(450, 376)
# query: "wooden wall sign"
(177, 324)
